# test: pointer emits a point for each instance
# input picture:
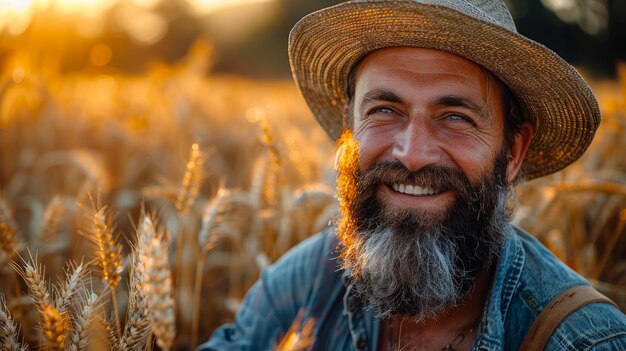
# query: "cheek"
(372, 147)
(475, 163)
(473, 153)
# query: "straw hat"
(325, 45)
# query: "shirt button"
(361, 344)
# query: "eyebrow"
(457, 101)
(381, 95)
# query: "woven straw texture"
(325, 45)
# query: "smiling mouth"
(415, 190)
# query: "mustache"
(439, 178)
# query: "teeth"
(412, 189)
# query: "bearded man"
(440, 108)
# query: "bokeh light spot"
(146, 3)
(204, 7)
(15, 15)
(18, 75)
(144, 26)
(100, 55)
(255, 114)
(16, 5)
(89, 8)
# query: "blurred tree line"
(251, 39)
(588, 33)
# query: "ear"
(518, 150)
(345, 116)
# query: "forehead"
(428, 64)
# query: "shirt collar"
(506, 278)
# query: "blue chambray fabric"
(308, 279)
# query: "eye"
(381, 110)
(460, 118)
(381, 114)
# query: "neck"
(449, 327)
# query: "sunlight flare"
(204, 7)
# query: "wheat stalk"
(8, 233)
(88, 162)
(9, 331)
(264, 185)
(187, 195)
(192, 180)
(601, 187)
(300, 336)
(152, 252)
(55, 326)
(79, 339)
(613, 239)
(108, 250)
(302, 210)
(137, 327)
(51, 220)
(206, 240)
(55, 318)
(34, 278)
(271, 182)
(8, 243)
(207, 237)
(108, 253)
(75, 277)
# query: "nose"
(416, 147)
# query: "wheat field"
(136, 211)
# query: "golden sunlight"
(204, 7)
(88, 8)
(16, 15)
(16, 5)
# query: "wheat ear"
(187, 195)
(108, 249)
(34, 278)
(206, 237)
(79, 339)
(9, 331)
(109, 254)
(153, 253)
(273, 164)
(75, 277)
(137, 326)
(8, 233)
(55, 326)
(8, 243)
(192, 180)
(51, 220)
(206, 240)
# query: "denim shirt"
(308, 279)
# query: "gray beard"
(421, 274)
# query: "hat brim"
(325, 45)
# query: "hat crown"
(494, 11)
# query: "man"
(440, 107)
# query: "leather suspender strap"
(559, 308)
